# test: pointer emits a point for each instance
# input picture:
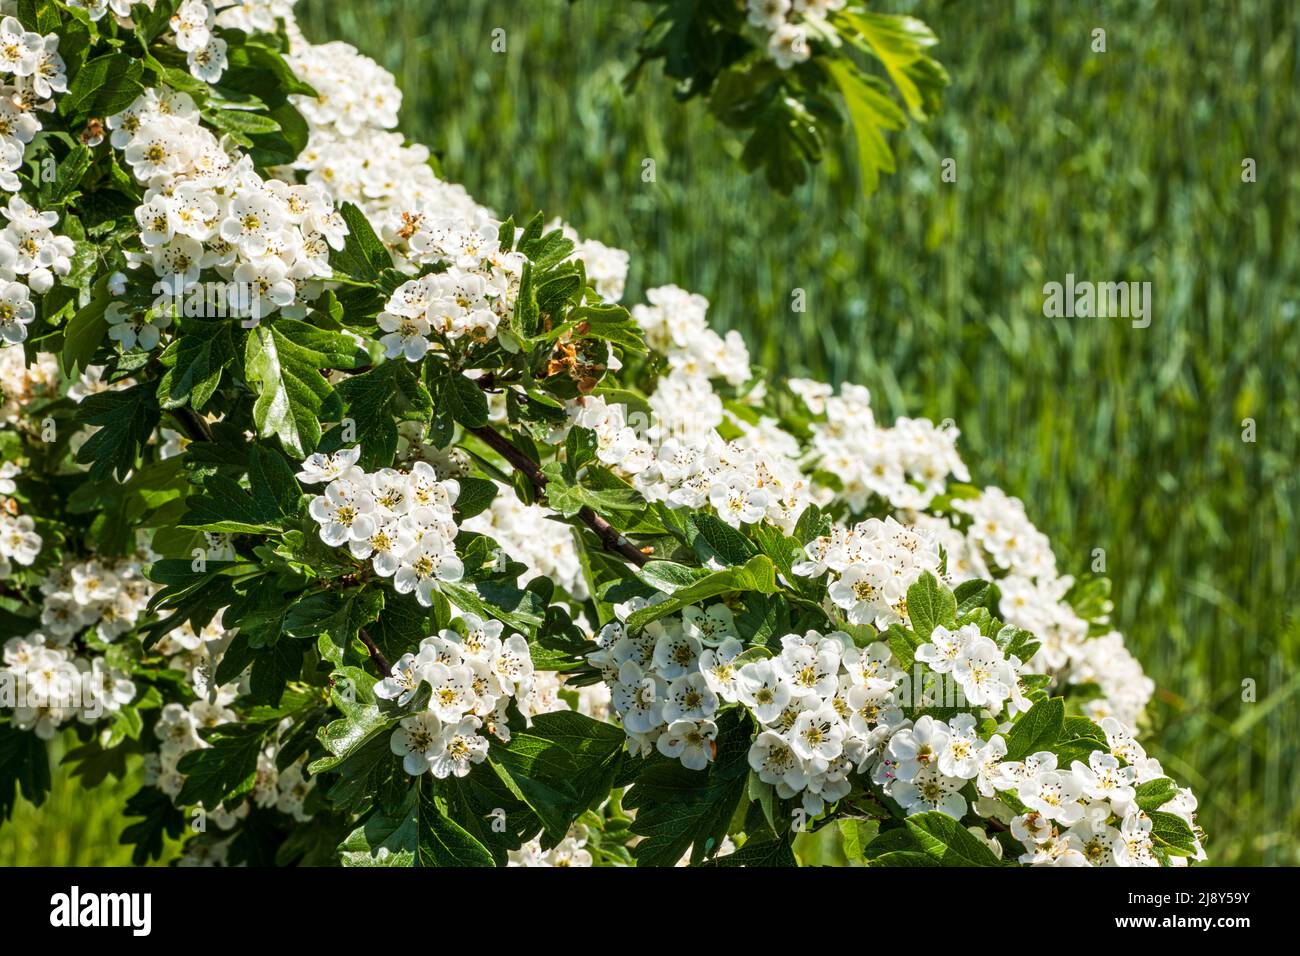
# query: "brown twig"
(376, 654)
(612, 539)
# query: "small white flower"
(462, 747)
(418, 740)
(692, 741)
(763, 689)
(320, 467)
(689, 697)
(960, 758)
(402, 683)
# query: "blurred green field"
(1117, 166)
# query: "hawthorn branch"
(376, 654)
(610, 537)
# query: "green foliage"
(789, 115)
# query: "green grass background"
(1117, 166)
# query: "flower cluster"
(31, 72)
(675, 325)
(22, 383)
(204, 208)
(110, 597)
(1003, 533)
(47, 684)
(19, 541)
(467, 301)
(571, 851)
(788, 25)
(60, 671)
(352, 156)
(907, 465)
(470, 679)
(277, 784)
(177, 729)
(401, 521)
(194, 24)
(822, 703)
(871, 567)
(1085, 814)
(1000, 542)
(31, 255)
(748, 480)
(355, 94)
(660, 679)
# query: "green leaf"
(363, 255)
(871, 111)
(975, 593)
(569, 497)
(812, 524)
(1036, 729)
(273, 667)
(756, 575)
(1154, 794)
(362, 721)
(126, 420)
(68, 177)
(228, 768)
(241, 121)
(441, 841)
(905, 858)
(465, 399)
(24, 768)
(339, 615)
(855, 835)
(714, 538)
(476, 496)
(899, 43)
(521, 609)
(225, 507)
(1172, 833)
(669, 576)
(286, 362)
(195, 360)
(375, 401)
(1079, 738)
(161, 819)
(610, 323)
(948, 842)
(87, 329)
(761, 853)
(105, 85)
(680, 809)
(384, 839)
(595, 747)
(929, 605)
(1017, 641)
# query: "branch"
(610, 537)
(376, 654)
